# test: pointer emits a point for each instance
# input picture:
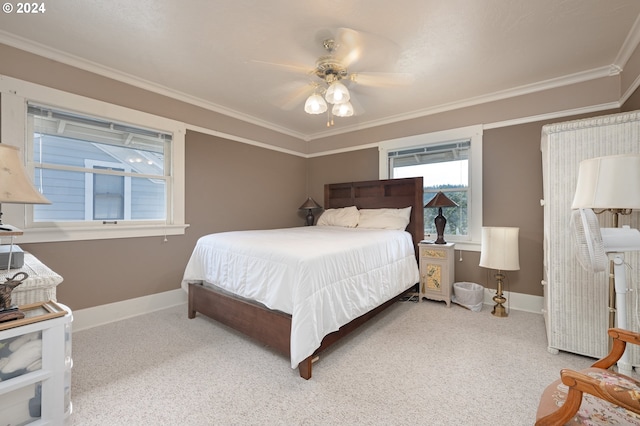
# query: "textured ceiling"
(213, 52)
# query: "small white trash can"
(469, 295)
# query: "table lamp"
(15, 188)
(309, 205)
(440, 200)
(499, 251)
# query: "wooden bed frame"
(273, 328)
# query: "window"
(92, 169)
(110, 172)
(450, 162)
(444, 167)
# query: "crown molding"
(247, 141)
(633, 39)
(86, 65)
(554, 83)
(629, 46)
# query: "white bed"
(308, 294)
(323, 276)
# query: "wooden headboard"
(376, 194)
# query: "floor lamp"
(611, 184)
(499, 251)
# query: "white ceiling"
(211, 52)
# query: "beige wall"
(232, 185)
(351, 166)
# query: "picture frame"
(35, 312)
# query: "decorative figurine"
(8, 312)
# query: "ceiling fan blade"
(381, 79)
(295, 94)
(305, 69)
(358, 109)
(368, 50)
(349, 46)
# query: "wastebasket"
(469, 295)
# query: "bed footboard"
(272, 328)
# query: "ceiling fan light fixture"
(315, 104)
(337, 93)
(342, 110)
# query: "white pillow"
(345, 216)
(385, 218)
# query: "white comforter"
(322, 276)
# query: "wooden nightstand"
(436, 271)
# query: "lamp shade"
(315, 104)
(441, 200)
(499, 248)
(611, 182)
(15, 185)
(310, 204)
(342, 110)
(337, 93)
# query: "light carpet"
(416, 363)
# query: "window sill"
(465, 245)
(47, 235)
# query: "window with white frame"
(448, 161)
(93, 169)
(109, 172)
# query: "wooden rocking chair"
(596, 394)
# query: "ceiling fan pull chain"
(329, 118)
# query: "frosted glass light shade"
(342, 110)
(337, 93)
(315, 104)
(499, 248)
(15, 185)
(611, 182)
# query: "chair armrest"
(625, 335)
(620, 339)
(616, 388)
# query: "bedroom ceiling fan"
(332, 74)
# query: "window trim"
(14, 95)
(473, 133)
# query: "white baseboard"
(516, 301)
(112, 312)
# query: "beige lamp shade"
(15, 185)
(310, 204)
(499, 248)
(611, 182)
